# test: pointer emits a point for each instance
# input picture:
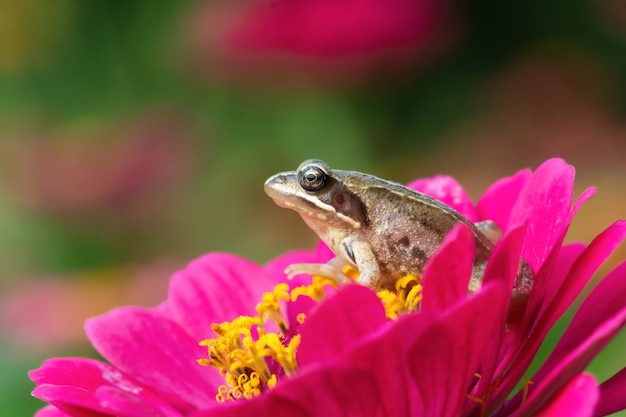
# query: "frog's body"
(384, 229)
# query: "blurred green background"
(134, 136)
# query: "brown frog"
(382, 228)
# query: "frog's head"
(319, 195)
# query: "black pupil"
(312, 179)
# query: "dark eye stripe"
(346, 202)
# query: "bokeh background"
(136, 135)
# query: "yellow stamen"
(485, 398)
(251, 359)
(391, 301)
(525, 388)
(241, 356)
(482, 402)
(315, 291)
(222, 393)
(351, 272)
(405, 299)
(269, 307)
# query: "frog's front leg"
(362, 255)
(333, 270)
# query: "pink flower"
(140, 162)
(323, 34)
(459, 355)
(153, 352)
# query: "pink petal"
(157, 352)
(560, 267)
(586, 195)
(87, 374)
(302, 305)
(123, 403)
(332, 391)
(74, 381)
(447, 190)
(549, 381)
(585, 265)
(582, 270)
(604, 302)
(70, 400)
(323, 251)
(612, 394)
(544, 203)
(447, 355)
(197, 293)
(497, 202)
(338, 323)
(550, 278)
(445, 282)
(435, 364)
(549, 281)
(576, 399)
(50, 411)
(502, 269)
(399, 395)
(75, 384)
(519, 353)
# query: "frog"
(382, 228)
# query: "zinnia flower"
(340, 36)
(359, 353)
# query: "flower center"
(253, 352)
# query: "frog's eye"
(312, 178)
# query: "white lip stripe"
(326, 208)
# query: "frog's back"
(406, 227)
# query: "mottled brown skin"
(384, 229)
(405, 227)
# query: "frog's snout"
(276, 179)
(276, 185)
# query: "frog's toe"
(293, 270)
(325, 270)
(298, 269)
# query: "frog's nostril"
(280, 179)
